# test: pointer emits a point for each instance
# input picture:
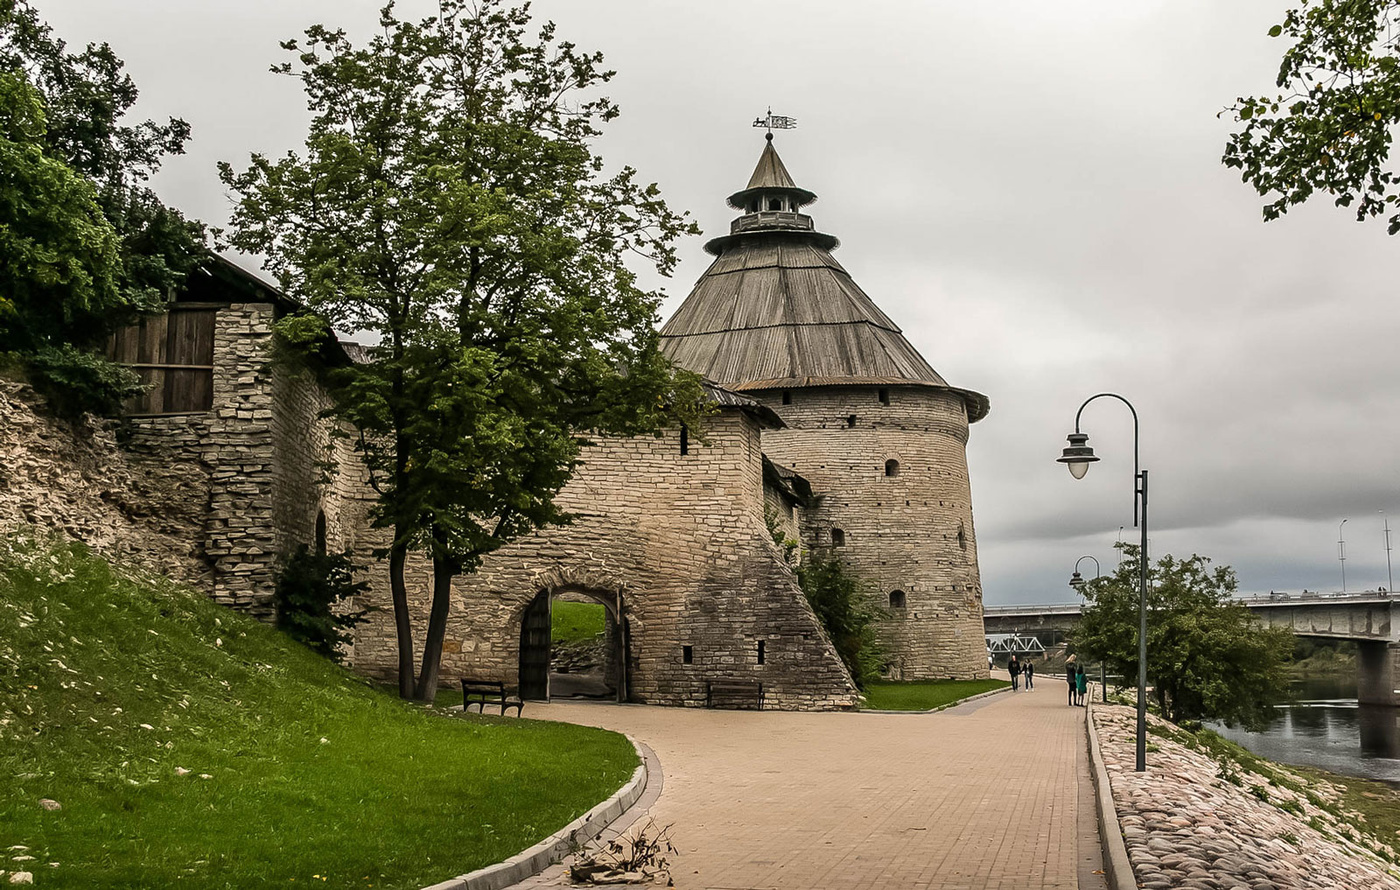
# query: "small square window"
(687, 654)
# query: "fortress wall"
(912, 532)
(314, 471)
(218, 498)
(682, 539)
(259, 452)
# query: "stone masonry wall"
(682, 539)
(215, 499)
(75, 478)
(786, 514)
(234, 443)
(911, 532)
(314, 472)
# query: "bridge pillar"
(1376, 672)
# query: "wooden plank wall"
(174, 354)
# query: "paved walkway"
(991, 795)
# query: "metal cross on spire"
(775, 122)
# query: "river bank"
(1207, 813)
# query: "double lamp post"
(1077, 456)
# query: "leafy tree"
(449, 204)
(1329, 129)
(848, 613)
(86, 247)
(60, 252)
(1206, 659)
(312, 590)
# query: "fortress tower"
(879, 434)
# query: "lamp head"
(1077, 455)
(1076, 581)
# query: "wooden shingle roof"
(775, 310)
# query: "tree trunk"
(443, 573)
(398, 553)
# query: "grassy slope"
(107, 685)
(576, 622)
(924, 695)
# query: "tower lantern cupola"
(771, 203)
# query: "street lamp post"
(1389, 577)
(1342, 554)
(1077, 580)
(1077, 456)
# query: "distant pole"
(1342, 553)
(1389, 577)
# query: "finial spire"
(775, 121)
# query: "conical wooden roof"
(770, 175)
(775, 310)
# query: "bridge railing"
(1310, 596)
(1261, 599)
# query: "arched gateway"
(537, 663)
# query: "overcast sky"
(1033, 191)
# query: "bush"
(848, 614)
(310, 589)
(76, 382)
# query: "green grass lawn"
(576, 622)
(298, 772)
(924, 695)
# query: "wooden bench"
(728, 689)
(488, 692)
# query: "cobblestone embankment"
(1192, 821)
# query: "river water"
(1325, 727)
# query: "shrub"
(75, 381)
(847, 613)
(312, 590)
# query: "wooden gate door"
(534, 650)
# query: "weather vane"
(775, 122)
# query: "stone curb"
(953, 704)
(532, 861)
(1118, 870)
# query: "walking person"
(1029, 671)
(1013, 667)
(1081, 683)
(1071, 675)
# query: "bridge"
(1365, 618)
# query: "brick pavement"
(989, 795)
